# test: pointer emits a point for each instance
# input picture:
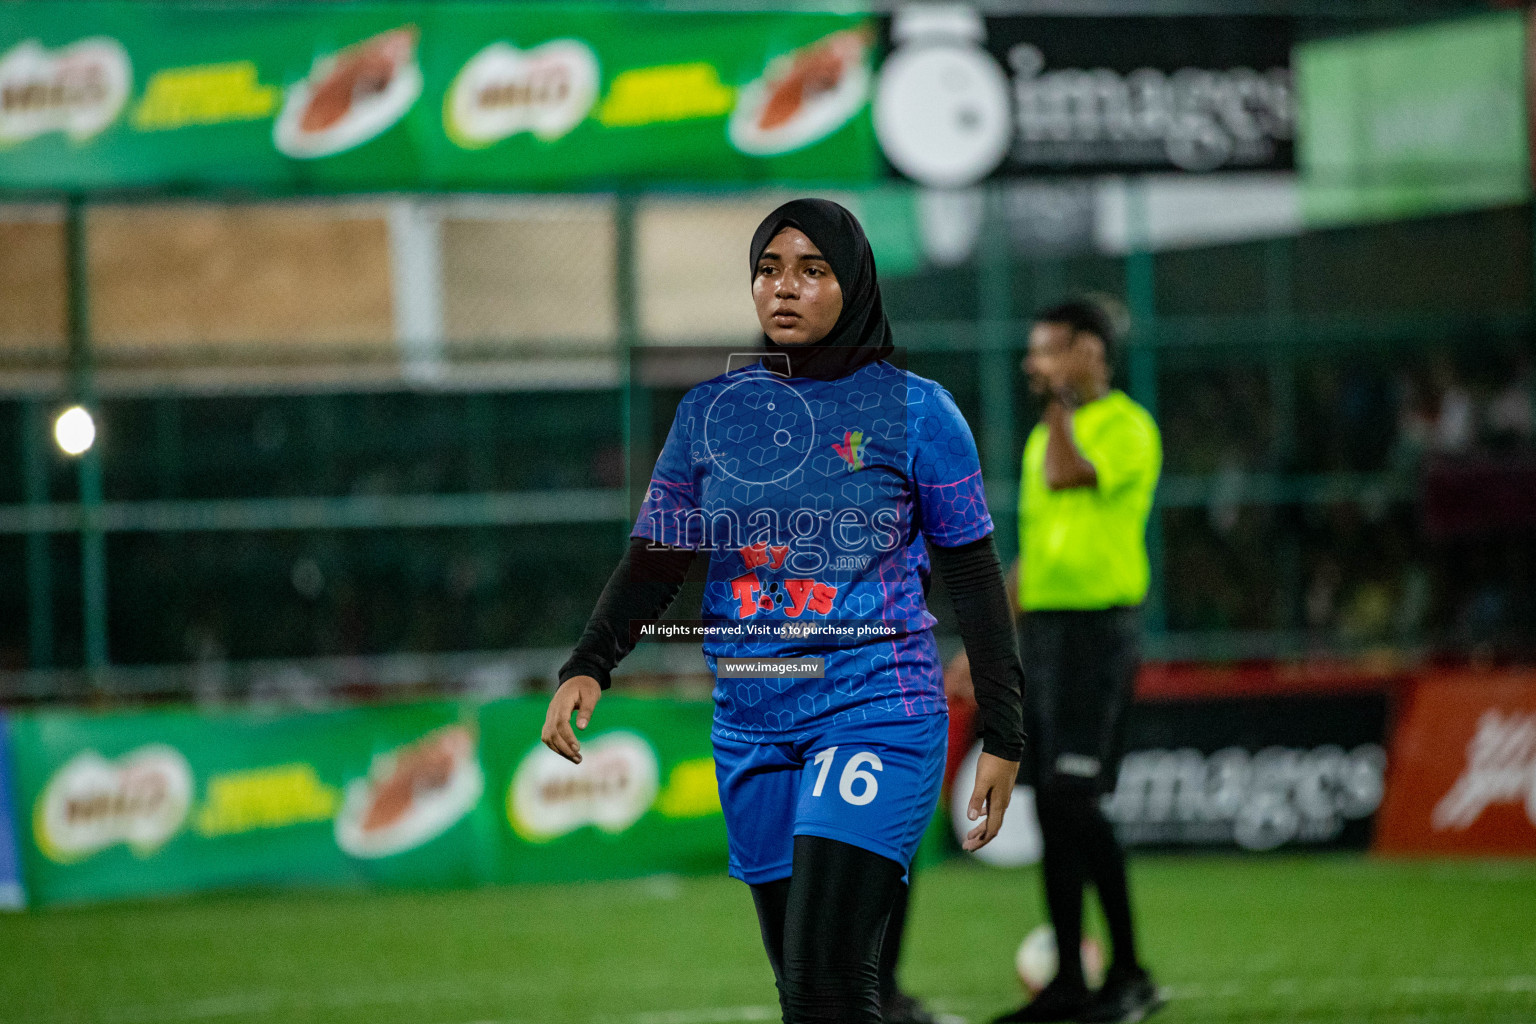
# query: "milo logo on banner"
(78, 90)
(615, 785)
(92, 803)
(546, 90)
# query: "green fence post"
(1048, 282)
(634, 408)
(93, 552)
(1279, 310)
(168, 454)
(34, 462)
(997, 375)
(1141, 298)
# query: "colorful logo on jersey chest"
(852, 449)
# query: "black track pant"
(1080, 847)
(1081, 668)
(823, 927)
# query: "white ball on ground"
(1036, 960)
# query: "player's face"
(796, 294)
(1052, 361)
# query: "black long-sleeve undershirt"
(974, 578)
(643, 586)
(648, 577)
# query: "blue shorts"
(871, 784)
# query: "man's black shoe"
(901, 1008)
(1057, 1001)
(1124, 999)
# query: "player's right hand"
(578, 694)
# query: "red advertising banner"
(1462, 770)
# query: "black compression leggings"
(822, 928)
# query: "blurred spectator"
(1323, 593)
(1455, 425)
(1511, 413)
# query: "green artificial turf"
(1326, 939)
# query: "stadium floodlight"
(75, 430)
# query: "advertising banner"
(12, 896)
(426, 794)
(157, 802)
(289, 97)
(1413, 121)
(1463, 776)
(316, 98)
(1252, 773)
(643, 799)
(961, 97)
(1256, 773)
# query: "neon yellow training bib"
(1086, 547)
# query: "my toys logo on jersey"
(794, 596)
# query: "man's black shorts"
(1079, 670)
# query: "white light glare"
(74, 430)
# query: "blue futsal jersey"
(814, 501)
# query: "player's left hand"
(994, 788)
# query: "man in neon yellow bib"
(1090, 468)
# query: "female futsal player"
(820, 481)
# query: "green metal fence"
(1232, 347)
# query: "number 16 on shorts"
(857, 784)
(873, 784)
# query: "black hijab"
(861, 335)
